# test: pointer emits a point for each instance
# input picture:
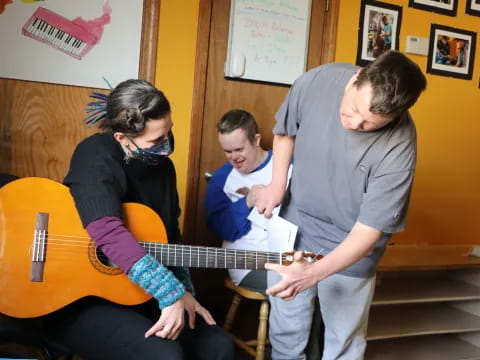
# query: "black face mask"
(156, 153)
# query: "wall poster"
(71, 42)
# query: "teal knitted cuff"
(156, 280)
(183, 274)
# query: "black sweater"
(100, 180)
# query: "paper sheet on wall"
(37, 54)
(281, 233)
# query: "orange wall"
(445, 202)
(174, 76)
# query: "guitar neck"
(211, 257)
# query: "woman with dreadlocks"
(129, 162)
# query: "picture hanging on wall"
(379, 30)
(473, 7)
(445, 7)
(451, 52)
(71, 42)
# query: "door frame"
(198, 102)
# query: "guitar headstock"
(310, 257)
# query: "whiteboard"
(268, 40)
(115, 56)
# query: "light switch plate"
(417, 45)
(475, 251)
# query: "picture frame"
(451, 52)
(134, 57)
(445, 7)
(378, 30)
(473, 7)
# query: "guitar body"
(71, 269)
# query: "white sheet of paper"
(281, 233)
(258, 219)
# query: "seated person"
(129, 161)
(231, 192)
(230, 198)
(442, 54)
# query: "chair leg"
(262, 330)
(232, 311)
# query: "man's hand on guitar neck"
(296, 277)
(301, 274)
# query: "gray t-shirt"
(343, 176)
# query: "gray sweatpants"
(344, 304)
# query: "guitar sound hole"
(104, 260)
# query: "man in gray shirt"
(354, 145)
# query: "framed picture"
(378, 30)
(473, 7)
(451, 52)
(445, 7)
(87, 45)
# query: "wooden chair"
(255, 348)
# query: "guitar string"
(176, 257)
(214, 252)
(88, 243)
(228, 254)
(189, 260)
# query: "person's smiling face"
(240, 152)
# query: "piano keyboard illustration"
(55, 30)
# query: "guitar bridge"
(39, 248)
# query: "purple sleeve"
(116, 242)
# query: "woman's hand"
(171, 321)
(192, 307)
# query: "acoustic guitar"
(47, 259)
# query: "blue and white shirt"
(227, 210)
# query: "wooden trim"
(5, 126)
(148, 49)
(427, 257)
(198, 102)
(386, 322)
(428, 347)
(330, 32)
(424, 287)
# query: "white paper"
(258, 219)
(281, 233)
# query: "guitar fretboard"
(211, 257)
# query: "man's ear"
(258, 137)
(121, 138)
